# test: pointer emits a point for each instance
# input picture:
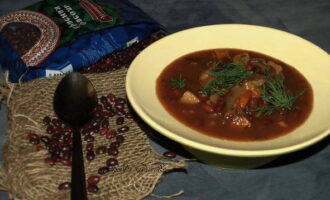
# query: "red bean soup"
(235, 94)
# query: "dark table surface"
(303, 175)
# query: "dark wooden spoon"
(74, 101)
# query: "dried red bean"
(107, 106)
(65, 148)
(64, 186)
(50, 148)
(123, 129)
(128, 116)
(92, 188)
(104, 131)
(105, 124)
(121, 112)
(120, 100)
(68, 130)
(90, 147)
(110, 134)
(50, 161)
(39, 148)
(57, 159)
(62, 144)
(32, 135)
(33, 138)
(103, 170)
(56, 151)
(120, 139)
(55, 137)
(120, 120)
(101, 150)
(106, 115)
(108, 61)
(65, 133)
(67, 138)
(112, 113)
(95, 122)
(34, 141)
(113, 151)
(66, 162)
(58, 130)
(93, 180)
(95, 128)
(119, 106)
(169, 154)
(112, 162)
(90, 155)
(98, 114)
(114, 145)
(50, 129)
(104, 100)
(46, 120)
(111, 97)
(66, 155)
(85, 130)
(56, 122)
(89, 138)
(101, 67)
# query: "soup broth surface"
(235, 94)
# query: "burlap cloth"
(26, 176)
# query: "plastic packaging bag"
(54, 37)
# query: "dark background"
(304, 175)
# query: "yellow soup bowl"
(306, 57)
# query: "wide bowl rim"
(212, 149)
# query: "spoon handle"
(78, 181)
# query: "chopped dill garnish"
(225, 77)
(273, 92)
(178, 83)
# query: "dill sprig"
(273, 92)
(178, 83)
(225, 77)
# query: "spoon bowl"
(74, 102)
(75, 99)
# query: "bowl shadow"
(298, 155)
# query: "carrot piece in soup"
(245, 98)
